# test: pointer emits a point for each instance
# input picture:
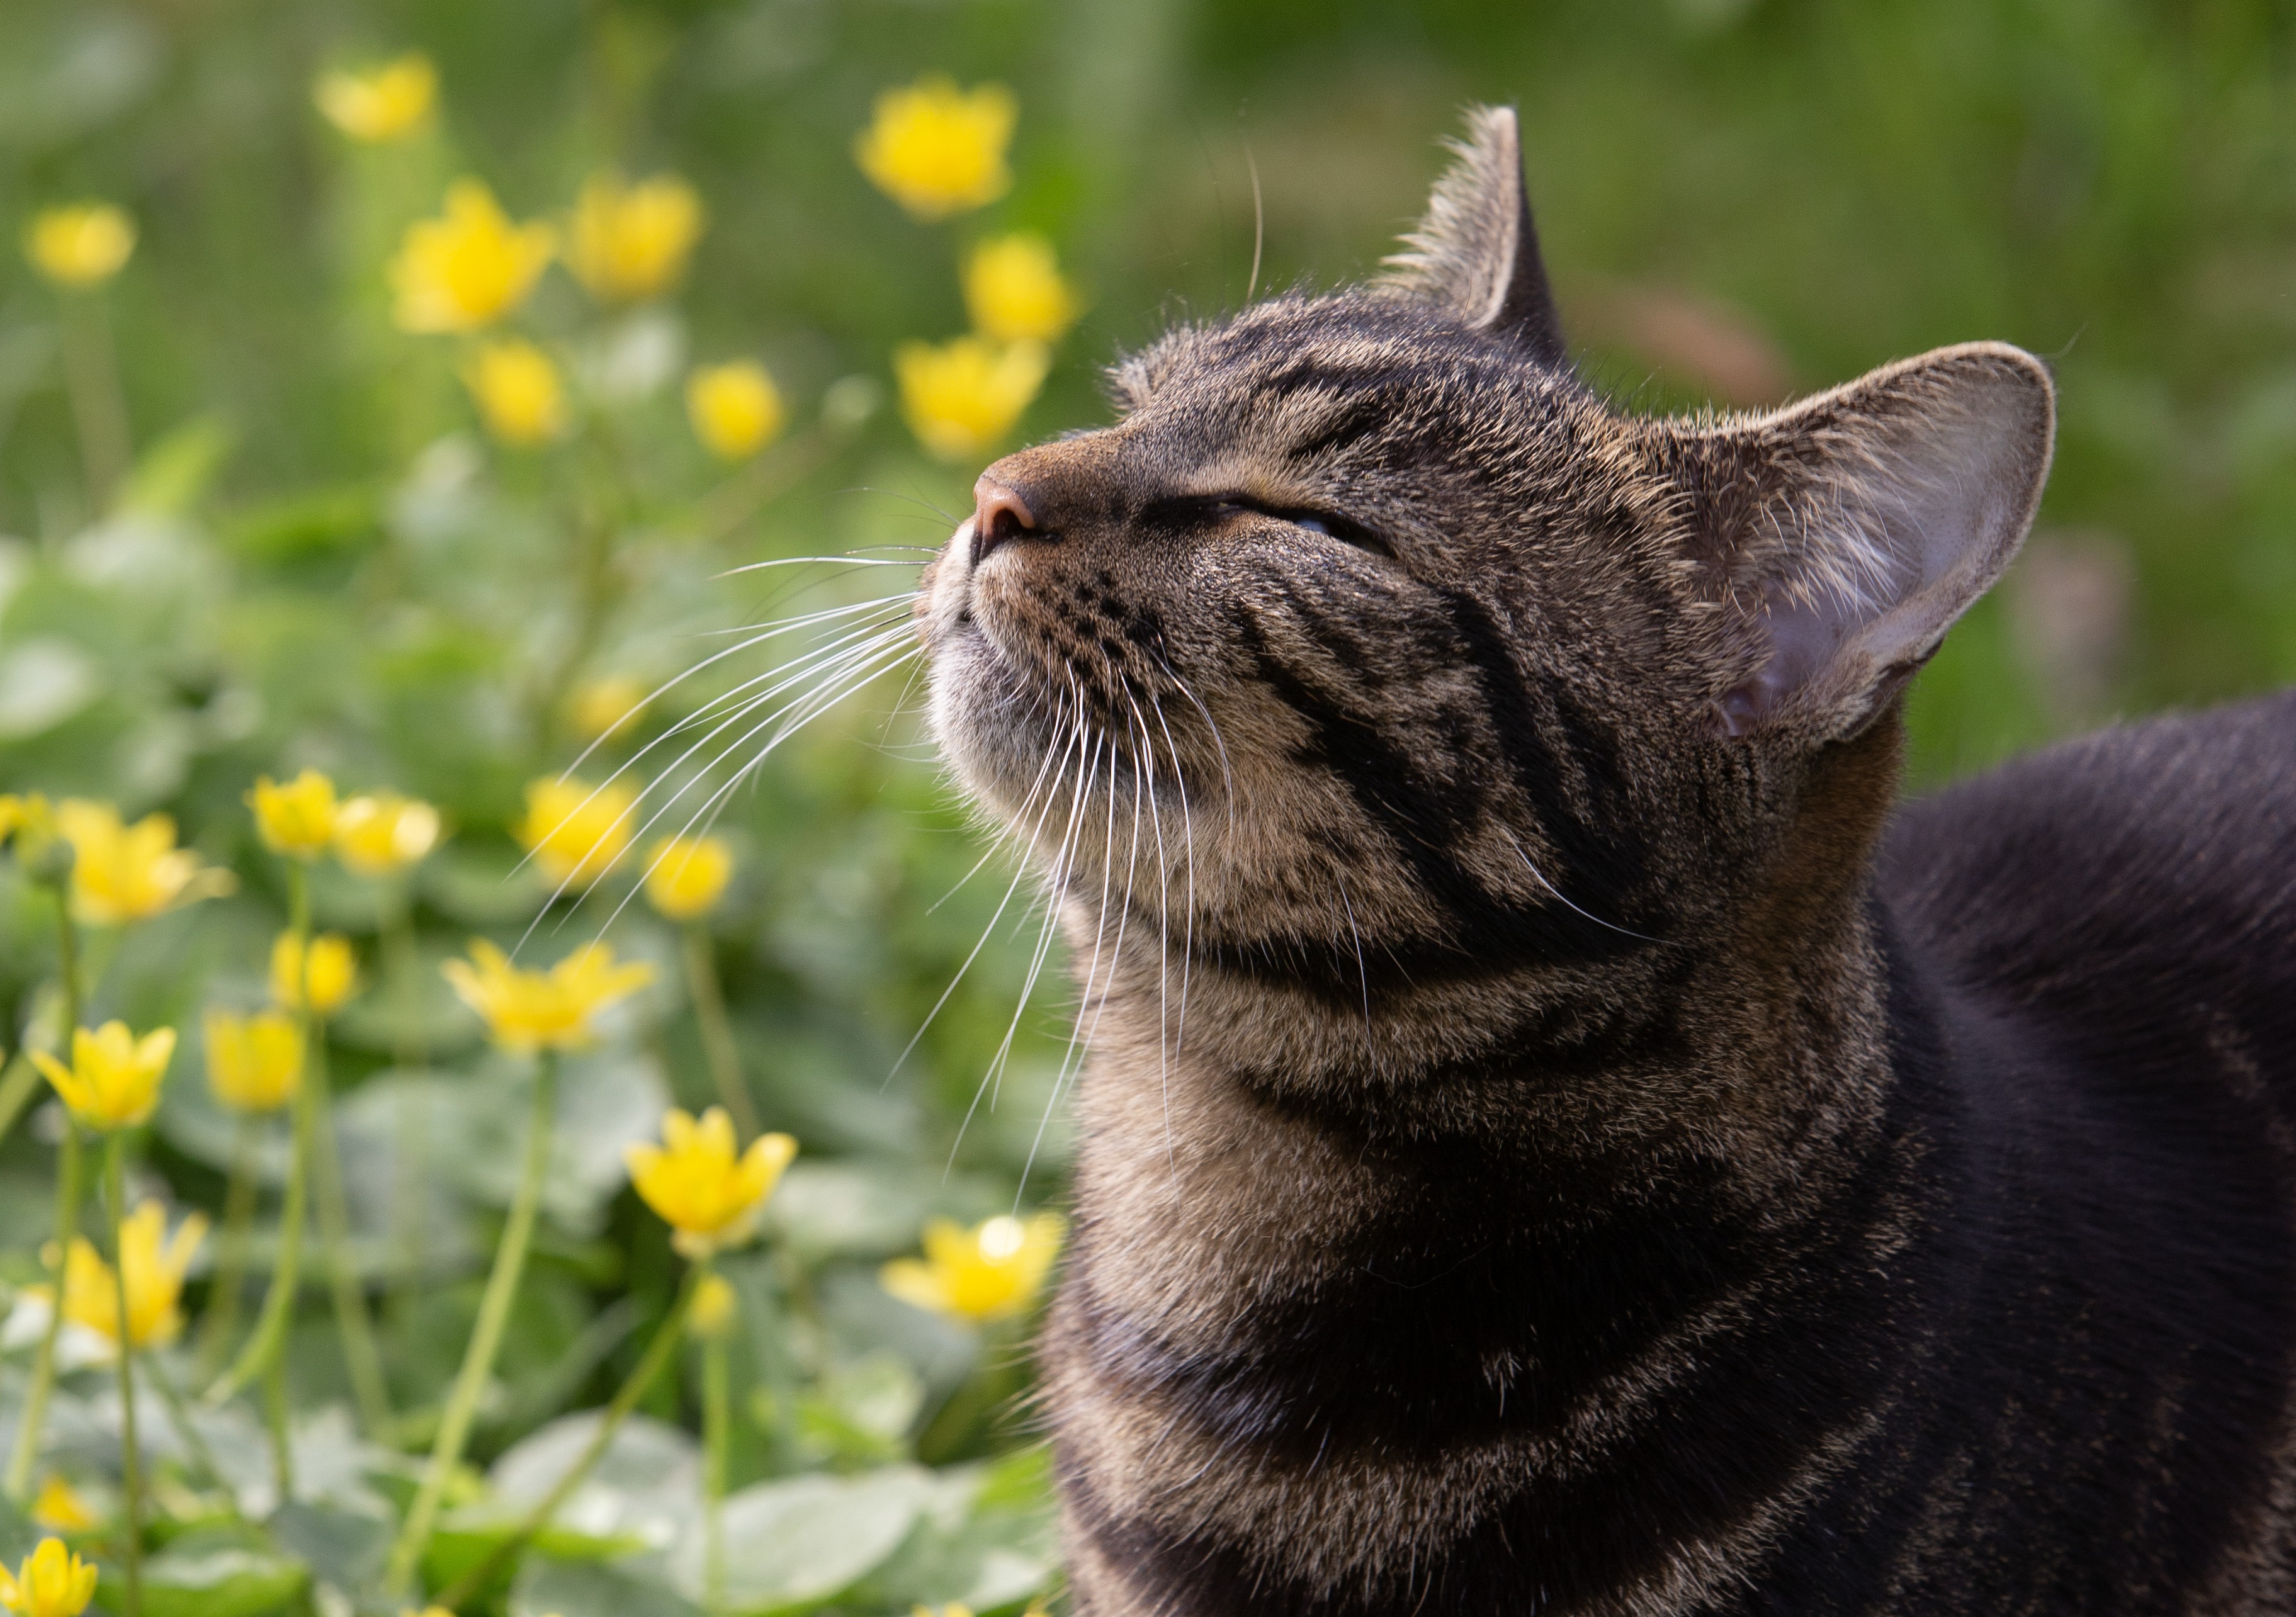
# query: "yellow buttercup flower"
(575, 832)
(255, 1064)
(735, 408)
(631, 241)
(687, 874)
(155, 1265)
(993, 1268)
(297, 818)
(517, 391)
(960, 398)
(123, 873)
(954, 1608)
(59, 1508)
(385, 103)
(1013, 289)
(470, 266)
(380, 833)
(530, 1011)
(328, 971)
(607, 707)
(53, 1582)
(709, 1198)
(114, 1080)
(937, 150)
(81, 245)
(710, 1314)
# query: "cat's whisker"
(1555, 893)
(1056, 753)
(1147, 758)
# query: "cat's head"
(1370, 639)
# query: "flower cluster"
(939, 150)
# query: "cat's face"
(1372, 613)
(1370, 644)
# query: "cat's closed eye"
(1327, 524)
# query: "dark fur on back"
(1550, 1143)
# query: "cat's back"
(2136, 888)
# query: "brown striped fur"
(1532, 1162)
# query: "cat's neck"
(1435, 1285)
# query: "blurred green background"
(322, 560)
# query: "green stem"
(369, 1385)
(626, 1399)
(411, 1127)
(717, 1031)
(17, 1085)
(479, 1357)
(68, 1194)
(131, 1454)
(44, 1361)
(266, 1352)
(716, 1430)
(221, 1323)
(98, 415)
(155, 1371)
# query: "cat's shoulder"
(2149, 863)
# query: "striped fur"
(1550, 1144)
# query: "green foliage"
(314, 554)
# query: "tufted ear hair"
(1476, 254)
(1844, 534)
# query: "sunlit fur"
(1528, 1165)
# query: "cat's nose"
(999, 514)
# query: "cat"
(1555, 1137)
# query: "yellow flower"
(937, 150)
(962, 397)
(297, 818)
(53, 1582)
(328, 970)
(994, 1268)
(378, 833)
(60, 1509)
(630, 242)
(710, 1314)
(517, 390)
(382, 105)
(954, 1608)
(1013, 289)
(607, 707)
(81, 245)
(470, 266)
(735, 408)
(114, 1080)
(531, 1011)
(687, 874)
(155, 1268)
(123, 873)
(255, 1064)
(708, 1197)
(576, 833)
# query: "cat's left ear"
(1842, 535)
(1476, 254)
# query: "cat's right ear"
(1476, 253)
(1842, 535)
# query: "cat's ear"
(1476, 254)
(1847, 531)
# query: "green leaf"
(794, 1544)
(595, 1590)
(212, 1572)
(175, 471)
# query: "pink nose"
(999, 515)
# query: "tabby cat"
(1555, 1139)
